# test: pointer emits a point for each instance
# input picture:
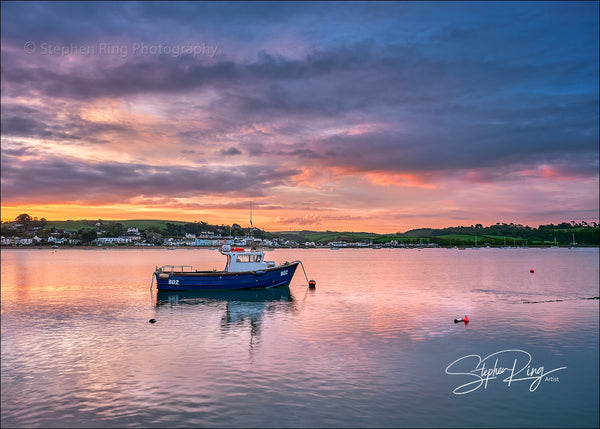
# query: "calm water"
(374, 345)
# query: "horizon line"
(315, 230)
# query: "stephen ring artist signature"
(505, 363)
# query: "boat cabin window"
(248, 258)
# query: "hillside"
(141, 224)
(499, 234)
(493, 235)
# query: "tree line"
(584, 233)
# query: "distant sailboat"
(555, 244)
(573, 244)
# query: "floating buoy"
(462, 319)
(312, 284)
(152, 320)
(531, 270)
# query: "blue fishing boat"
(243, 270)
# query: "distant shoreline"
(113, 247)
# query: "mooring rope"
(305, 276)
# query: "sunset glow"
(400, 115)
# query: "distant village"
(28, 231)
(35, 233)
(133, 237)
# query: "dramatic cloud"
(48, 179)
(370, 107)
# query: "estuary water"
(374, 345)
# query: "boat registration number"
(284, 273)
(173, 282)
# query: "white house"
(113, 240)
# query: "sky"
(374, 116)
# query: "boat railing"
(175, 268)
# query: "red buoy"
(462, 319)
(531, 270)
(312, 284)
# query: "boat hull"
(192, 297)
(221, 280)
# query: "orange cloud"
(549, 172)
(317, 176)
(384, 178)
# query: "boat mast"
(252, 244)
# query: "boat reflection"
(243, 307)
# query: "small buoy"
(312, 284)
(462, 319)
(152, 320)
(531, 270)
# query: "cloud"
(446, 130)
(231, 151)
(47, 180)
(314, 99)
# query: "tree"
(154, 238)
(115, 229)
(88, 235)
(23, 219)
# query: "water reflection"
(242, 308)
(373, 340)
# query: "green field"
(141, 224)
(67, 225)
